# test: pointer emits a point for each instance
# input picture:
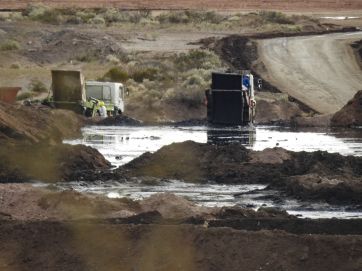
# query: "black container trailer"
(230, 101)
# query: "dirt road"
(321, 71)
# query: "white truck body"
(112, 94)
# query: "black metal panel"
(226, 81)
(227, 107)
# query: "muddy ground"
(316, 175)
(351, 114)
(43, 229)
(31, 144)
(104, 246)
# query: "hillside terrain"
(186, 4)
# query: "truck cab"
(112, 94)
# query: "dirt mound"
(31, 148)
(25, 202)
(350, 114)
(22, 162)
(85, 246)
(117, 121)
(232, 163)
(314, 121)
(67, 45)
(172, 206)
(357, 46)
(276, 112)
(38, 123)
(189, 161)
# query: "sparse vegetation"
(187, 17)
(179, 79)
(200, 19)
(37, 86)
(9, 45)
(197, 59)
(24, 96)
(115, 74)
(275, 17)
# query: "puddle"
(211, 195)
(122, 144)
(341, 17)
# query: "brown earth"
(104, 246)
(357, 46)
(42, 229)
(316, 175)
(350, 114)
(295, 5)
(37, 124)
(31, 148)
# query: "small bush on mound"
(116, 75)
(190, 97)
(197, 59)
(40, 12)
(37, 86)
(185, 17)
(145, 73)
(275, 17)
(24, 96)
(9, 45)
(97, 20)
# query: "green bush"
(116, 75)
(9, 45)
(37, 86)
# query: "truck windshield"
(94, 92)
(103, 93)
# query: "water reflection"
(244, 136)
(122, 144)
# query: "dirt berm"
(351, 114)
(31, 145)
(48, 230)
(315, 175)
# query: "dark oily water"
(250, 196)
(122, 144)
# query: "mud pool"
(122, 144)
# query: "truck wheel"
(116, 112)
(88, 112)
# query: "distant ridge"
(292, 5)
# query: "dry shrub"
(197, 59)
(275, 17)
(116, 74)
(37, 86)
(188, 16)
(9, 45)
(24, 96)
